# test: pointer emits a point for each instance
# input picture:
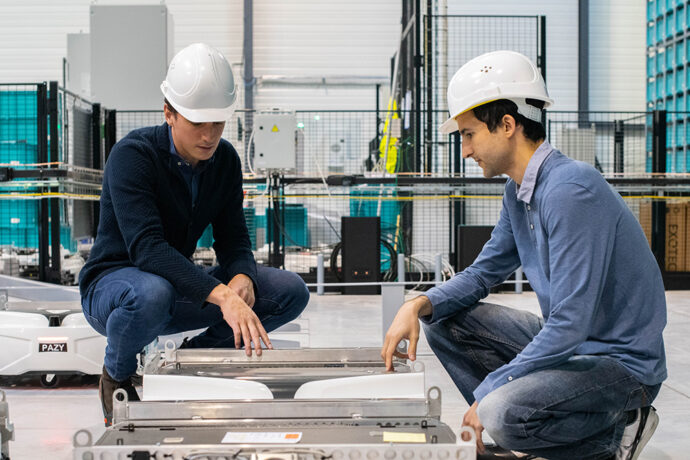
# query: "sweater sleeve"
(497, 260)
(231, 237)
(128, 175)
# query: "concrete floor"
(46, 419)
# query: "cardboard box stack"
(677, 247)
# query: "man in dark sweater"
(162, 187)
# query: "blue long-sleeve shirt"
(585, 255)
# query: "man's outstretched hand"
(405, 326)
(245, 325)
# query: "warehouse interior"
(347, 182)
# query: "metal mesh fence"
(456, 39)
(327, 142)
(678, 142)
(26, 124)
(613, 142)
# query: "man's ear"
(509, 125)
(170, 116)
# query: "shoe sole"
(647, 432)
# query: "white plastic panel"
(195, 388)
(393, 385)
(21, 336)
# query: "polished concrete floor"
(46, 419)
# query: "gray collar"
(529, 180)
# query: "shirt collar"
(200, 166)
(529, 180)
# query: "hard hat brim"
(206, 115)
(201, 115)
(449, 126)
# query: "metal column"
(659, 206)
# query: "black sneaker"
(637, 433)
(106, 387)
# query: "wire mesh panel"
(613, 142)
(677, 142)
(455, 40)
(327, 142)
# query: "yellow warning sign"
(275, 129)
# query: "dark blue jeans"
(576, 410)
(132, 307)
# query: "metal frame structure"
(6, 428)
(325, 427)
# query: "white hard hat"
(200, 84)
(492, 76)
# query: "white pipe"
(319, 275)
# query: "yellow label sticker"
(394, 436)
(275, 129)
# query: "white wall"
(324, 39)
(305, 38)
(617, 45)
(33, 33)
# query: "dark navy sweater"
(147, 219)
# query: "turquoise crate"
(660, 86)
(19, 213)
(681, 19)
(18, 152)
(681, 57)
(18, 131)
(18, 104)
(651, 65)
(651, 89)
(670, 55)
(651, 32)
(680, 83)
(679, 133)
(295, 225)
(206, 239)
(661, 62)
(27, 237)
(670, 84)
(670, 26)
(18, 126)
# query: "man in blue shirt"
(162, 187)
(578, 383)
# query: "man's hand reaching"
(245, 325)
(405, 326)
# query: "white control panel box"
(274, 140)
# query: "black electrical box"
(471, 240)
(361, 253)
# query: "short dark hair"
(493, 112)
(170, 106)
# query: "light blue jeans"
(577, 410)
(132, 307)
